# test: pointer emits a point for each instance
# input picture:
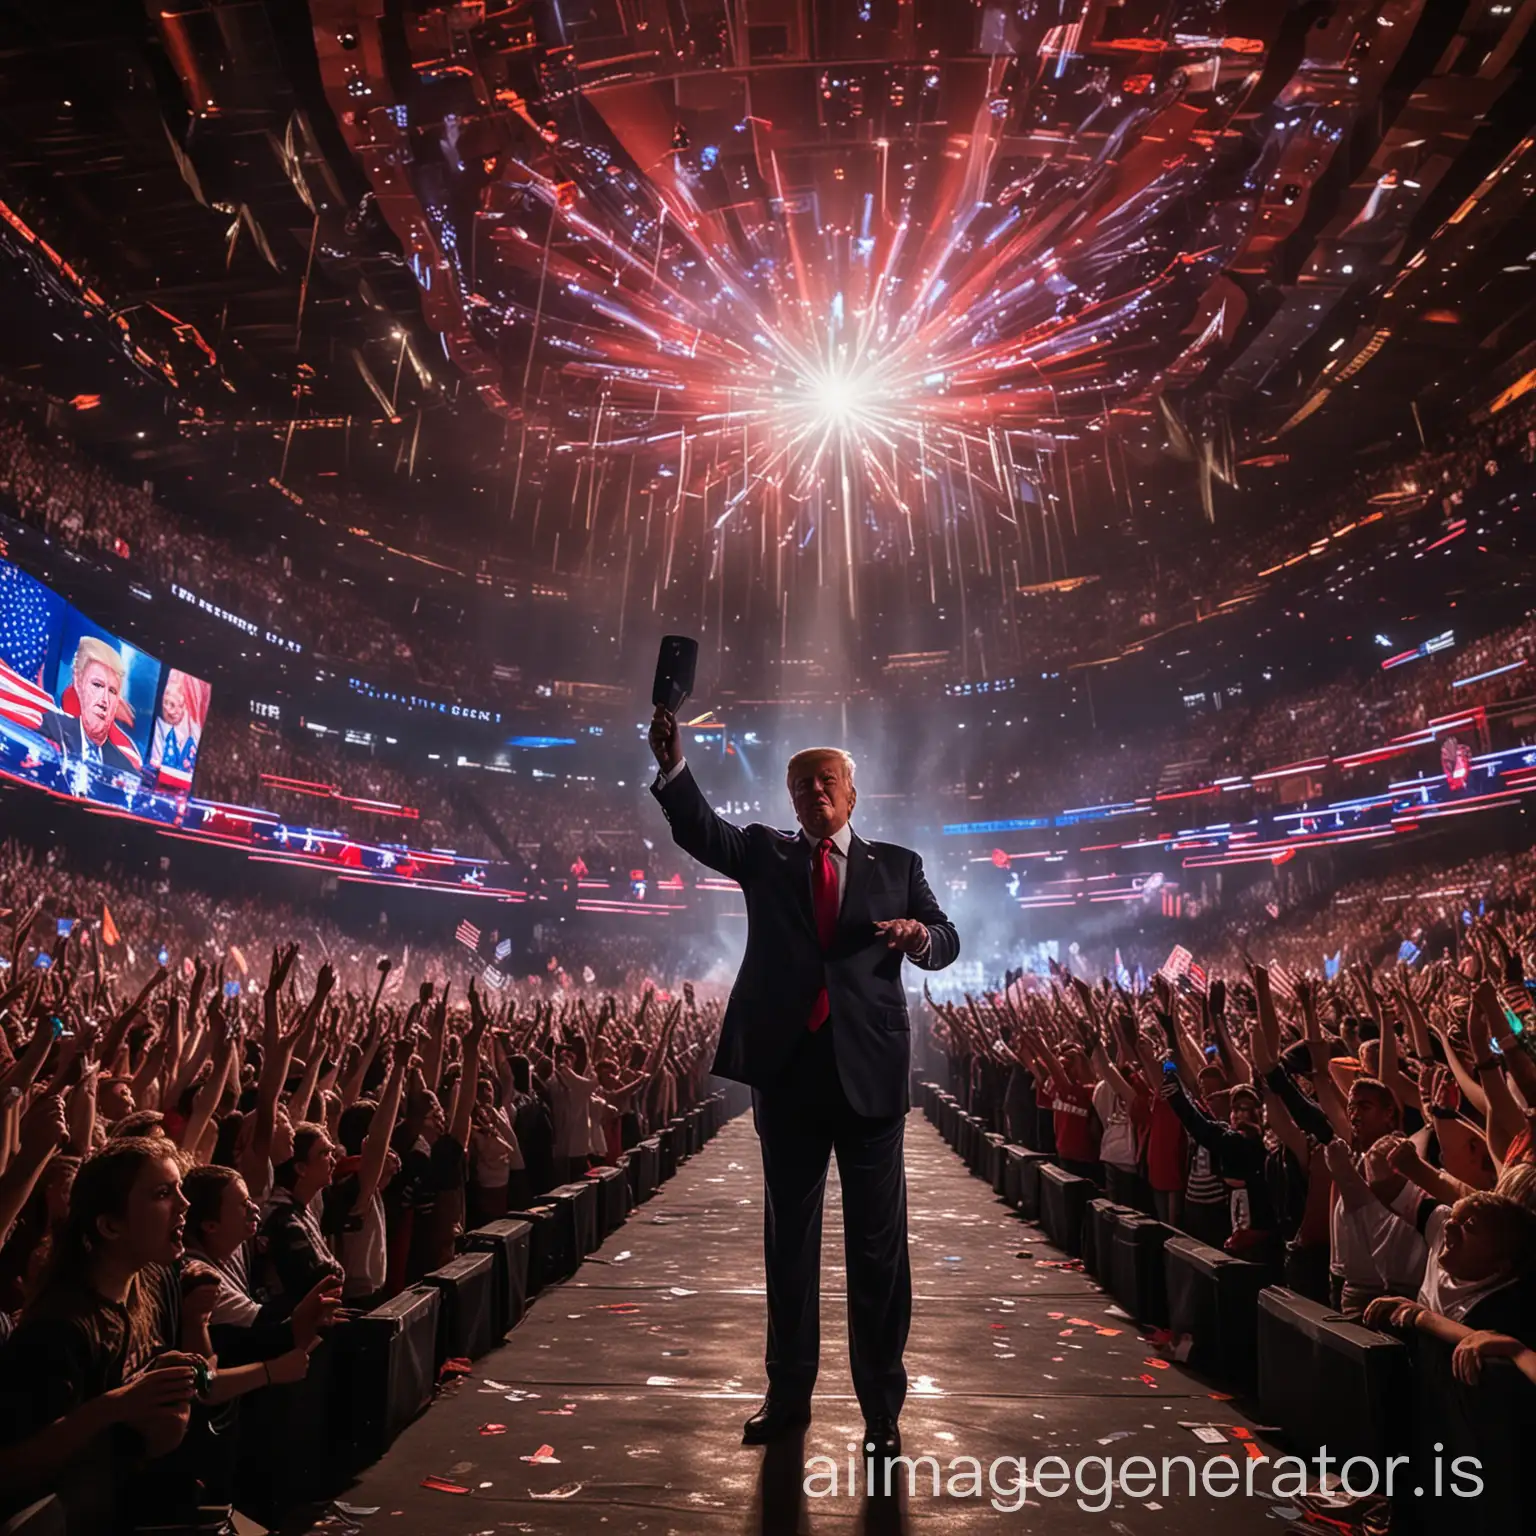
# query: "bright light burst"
(839, 398)
(896, 363)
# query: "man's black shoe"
(882, 1438)
(774, 1420)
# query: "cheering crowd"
(552, 824)
(199, 1177)
(1367, 1139)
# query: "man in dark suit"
(817, 1025)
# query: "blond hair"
(817, 754)
(90, 650)
(1518, 1183)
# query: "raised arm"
(376, 1143)
(256, 1163)
(1236, 1152)
(43, 1131)
(205, 1103)
(117, 1031)
(1505, 1118)
(1104, 1065)
(1413, 1017)
(1329, 1099)
(469, 1073)
(696, 829)
(437, 1036)
(22, 1072)
(1236, 1064)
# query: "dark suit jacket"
(68, 735)
(784, 968)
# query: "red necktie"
(824, 904)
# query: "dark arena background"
(1112, 422)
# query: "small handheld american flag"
(468, 935)
(1283, 979)
(1176, 964)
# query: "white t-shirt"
(493, 1163)
(1373, 1246)
(1118, 1143)
(364, 1253)
(1439, 1291)
(235, 1304)
(570, 1097)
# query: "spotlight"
(835, 397)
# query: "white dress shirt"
(841, 840)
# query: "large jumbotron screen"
(84, 713)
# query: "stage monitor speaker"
(467, 1324)
(675, 668)
(508, 1242)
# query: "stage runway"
(622, 1391)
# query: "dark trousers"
(1306, 1271)
(800, 1122)
(1126, 1186)
(1208, 1222)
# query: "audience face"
(1370, 1115)
(1246, 1114)
(152, 1227)
(239, 1218)
(313, 1171)
(114, 1098)
(1474, 1243)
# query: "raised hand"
(44, 1128)
(282, 964)
(666, 745)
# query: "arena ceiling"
(762, 301)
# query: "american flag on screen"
(468, 935)
(25, 619)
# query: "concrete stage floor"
(621, 1394)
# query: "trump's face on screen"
(99, 689)
(821, 790)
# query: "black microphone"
(675, 667)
